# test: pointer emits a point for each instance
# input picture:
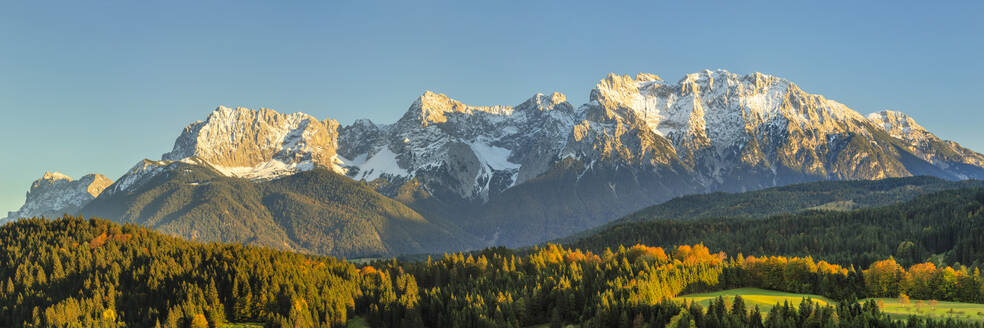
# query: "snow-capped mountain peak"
(541, 102)
(50, 178)
(897, 124)
(467, 151)
(55, 194)
(137, 175)
(639, 140)
(923, 143)
(431, 108)
(258, 144)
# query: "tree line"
(946, 228)
(94, 273)
(632, 287)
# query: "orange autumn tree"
(798, 274)
(697, 254)
(919, 280)
(647, 253)
(884, 278)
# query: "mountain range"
(451, 176)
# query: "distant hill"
(75, 272)
(316, 211)
(825, 195)
(945, 226)
(821, 195)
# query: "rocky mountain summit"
(258, 143)
(515, 175)
(55, 194)
(555, 169)
(733, 132)
(460, 151)
(945, 154)
(243, 143)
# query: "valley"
(662, 202)
(491, 164)
(71, 270)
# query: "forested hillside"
(947, 227)
(95, 273)
(77, 272)
(827, 195)
(317, 211)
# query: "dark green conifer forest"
(79, 272)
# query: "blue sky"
(97, 86)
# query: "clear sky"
(96, 86)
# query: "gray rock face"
(459, 151)
(359, 138)
(55, 194)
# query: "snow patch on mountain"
(471, 151)
(923, 143)
(371, 167)
(265, 170)
(493, 157)
(898, 125)
(139, 174)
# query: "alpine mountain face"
(461, 152)
(539, 170)
(55, 194)
(523, 174)
(258, 144)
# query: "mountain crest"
(897, 124)
(55, 194)
(433, 107)
(540, 102)
(50, 177)
(639, 140)
(258, 144)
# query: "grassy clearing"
(764, 299)
(936, 310)
(357, 322)
(842, 205)
(364, 260)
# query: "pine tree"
(755, 319)
(57, 270)
(216, 311)
(639, 321)
(198, 321)
(555, 321)
(738, 309)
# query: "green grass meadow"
(766, 299)
(935, 310)
(242, 325)
(357, 322)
